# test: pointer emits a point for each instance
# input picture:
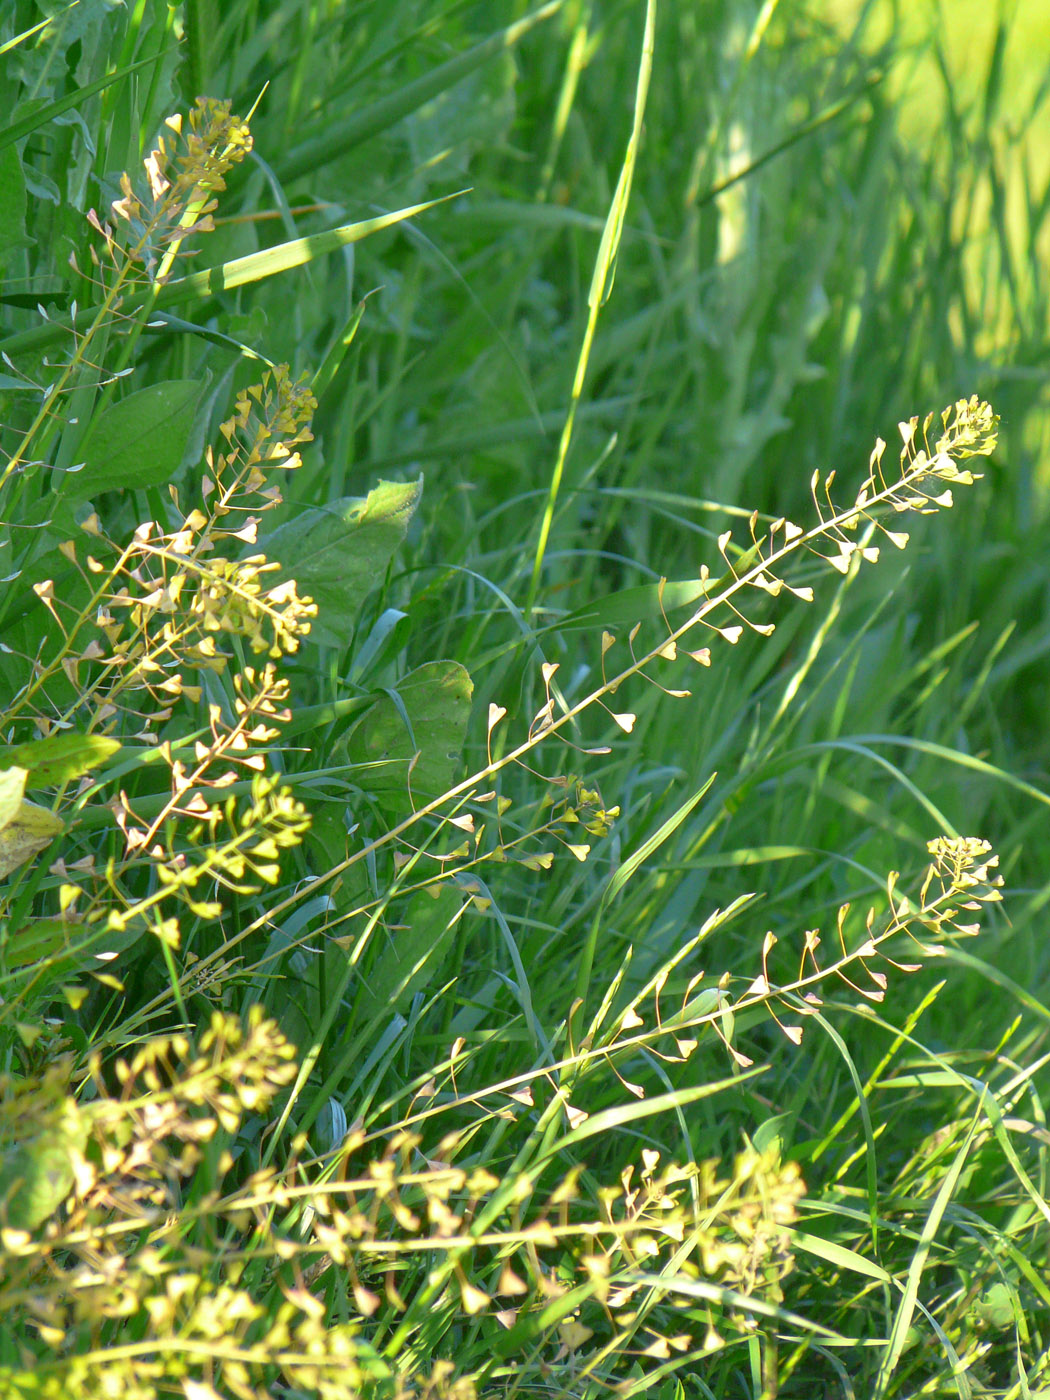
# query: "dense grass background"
(835, 222)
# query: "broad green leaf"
(411, 956)
(774, 1132)
(325, 843)
(316, 717)
(338, 553)
(12, 786)
(60, 758)
(37, 939)
(34, 1180)
(30, 831)
(139, 441)
(435, 701)
(36, 1177)
(995, 1307)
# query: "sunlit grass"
(595, 384)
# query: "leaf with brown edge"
(59, 758)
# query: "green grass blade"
(601, 285)
(898, 1338)
(239, 272)
(40, 118)
(14, 42)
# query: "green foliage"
(340, 551)
(408, 744)
(475, 925)
(139, 441)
